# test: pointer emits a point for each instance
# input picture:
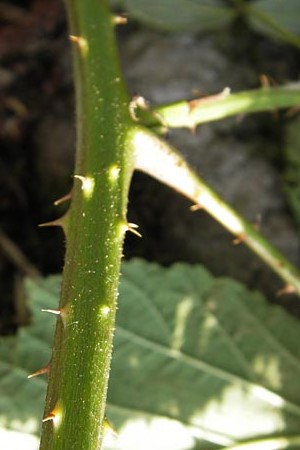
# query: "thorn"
(137, 102)
(204, 100)
(108, 427)
(60, 222)
(239, 239)
(196, 207)
(120, 19)
(63, 199)
(39, 372)
(53, 223)
(51, 416)
(264, 80)
(267, 81)
(257, 224)
(82, 179)
(52, 311)
(81, 42)
(58, 312)
(192, 104)
(54, 416)
(87, 185)
(132, 227)
(286, 290)
(193, 129)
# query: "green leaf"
(198, 362)
(292, 171)
(21, 399)
(175, 15)
(277, 18)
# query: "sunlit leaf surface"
(198, 362)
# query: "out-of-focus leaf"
(198, 362)
(292, 172)
(277, 18)
(14, 440)
(21, 399)
(205, 352)
(178, 15)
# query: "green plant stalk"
(195, 112)
(278, 442)
(160, 160)
(95, 228)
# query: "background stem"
(220, 106)
(160, 160)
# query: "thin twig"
(219, 106)
(17, 257)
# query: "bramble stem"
(158, 159)
(79, 371)
(278, 442)
(191, 113)
(109, 144)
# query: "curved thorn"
(39, 371)
(286, 290)
(81, 43)
(239, 239)
(196, 207)
(132, 227)
(63, 199)
(120, 19)
(54, 416)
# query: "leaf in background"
(198, 362)
(277, 18)
(292, 171)
(22, 399)
(177, 15)
(205, 352)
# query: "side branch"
(159, 160)
(189, 114)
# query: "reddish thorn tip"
(239, 239)
(63, 199)
(39, 372)
(196, 207)
(120, 20)
(286, 290)
(51, 416)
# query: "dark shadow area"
(37, 141)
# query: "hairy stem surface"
(79, 369)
